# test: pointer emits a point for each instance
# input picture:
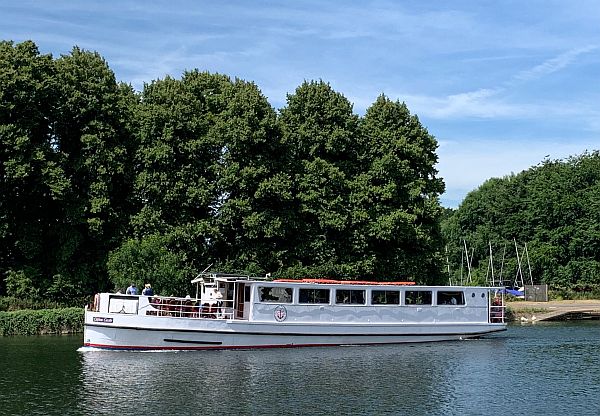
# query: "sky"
(502, 85)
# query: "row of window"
(278, 294)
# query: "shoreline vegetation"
(42, 322)
(69, 320)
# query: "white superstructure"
(242, 312)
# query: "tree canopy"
(64, 137)
(102, 185)
(553, 208)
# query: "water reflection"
(529, 370)
(392, 379)
(533, 370)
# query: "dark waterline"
(544, 369)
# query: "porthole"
(472, 295)
(482, 295)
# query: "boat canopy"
(344, 282)
(203, 277)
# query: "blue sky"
(500, 84)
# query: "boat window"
(418, 297)
(314, 295)
(450, 298)
(123, 304)
(275, 294)
(350, 297)
(385, 297)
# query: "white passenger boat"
(231, 312)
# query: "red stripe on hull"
(220, 347)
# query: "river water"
(542, 369)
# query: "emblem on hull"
(280, 313)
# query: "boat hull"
(120, 333)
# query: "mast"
(490, 267)
(468, 261)
(470, 264)
(528, 264)
(519, 270)
(462, 262)
(502, 264)
(448, 267)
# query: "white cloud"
(482, 103)
(554, 64)
(500, 102)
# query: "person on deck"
(147, 290)
(219, 297)
(132, 290)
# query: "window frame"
(386, 291)
(312, 296)
(429, 297)
(447, 295)
(351, 297)
(261, 294)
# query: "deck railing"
(190, 308)
(496, 308)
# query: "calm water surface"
(545, 369)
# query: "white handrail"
(190, 307)
(496, 308)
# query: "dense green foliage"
(11, 303)
(554, 208)
(101, 186)
(64, 170)
(46, 321)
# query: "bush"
(592, 292)
(11, 303)
(149, 260)
(46, 321)
(19, 283)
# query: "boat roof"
(210, 278)
(228, 277)
(344, 282)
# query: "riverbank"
(44, 321)
(530, 311)
(70, 320)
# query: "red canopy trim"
(344, 282)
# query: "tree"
(553, 207)
(175, 188)
(252, 182)
(94, 134)
(149, 260)
(395, 197)
(32, 180)
(66, 148)
(202, 170)
(319, 132)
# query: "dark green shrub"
(11, 303)
(45, 321)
